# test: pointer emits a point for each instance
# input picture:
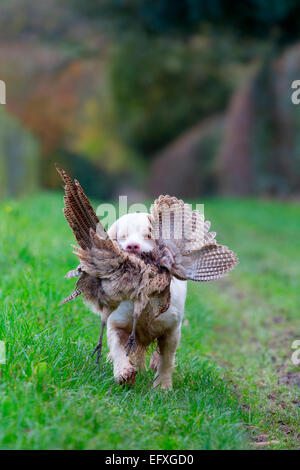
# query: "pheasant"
(184, 248)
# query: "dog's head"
(132, 233)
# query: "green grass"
(233, 381)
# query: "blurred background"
(142, 97)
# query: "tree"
(258, 18)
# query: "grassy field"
(234, 385)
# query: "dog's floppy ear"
(112, 231)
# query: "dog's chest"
(148, 329)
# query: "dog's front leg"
(167, 346)
(124, 369)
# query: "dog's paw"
(163, 383)
(154, 361)
(126, 375)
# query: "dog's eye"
(148, 236)
(122, 237)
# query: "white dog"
(131, 232)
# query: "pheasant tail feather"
(79, 212)
(72, 296)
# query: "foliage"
(19, 158)
(190, 162)
(112, 83)
(250, 17)
(260, 150)
(94, 136)
(162, 87)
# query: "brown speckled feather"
(189, 249)
(79, 212)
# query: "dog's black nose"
(133, 248)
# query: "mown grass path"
(234, 385)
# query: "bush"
(160, 87)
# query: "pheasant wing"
(189, 250)
(175, 224)
(79, 212)
(209, 263)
